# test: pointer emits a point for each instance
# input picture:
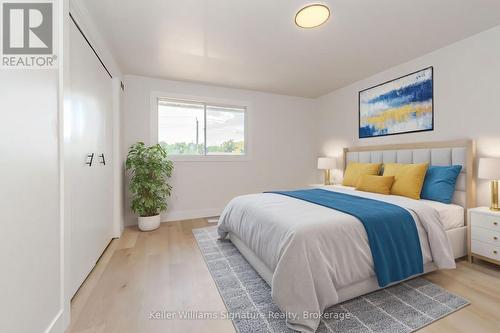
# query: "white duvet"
(315, 251)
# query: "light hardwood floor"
(164, 270)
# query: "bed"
(314, 257)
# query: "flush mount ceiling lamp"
(312, 16)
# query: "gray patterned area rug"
(405, 307)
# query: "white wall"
(282, 138)
(29, 200)
(31, 196)
(466, 94)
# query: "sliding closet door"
(89, 127)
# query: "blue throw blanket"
(391, 230)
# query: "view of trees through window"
(193, 128)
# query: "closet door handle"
(103, 160)
(89, 162)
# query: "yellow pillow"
(408, 178)
(376, 184)
(355, 170)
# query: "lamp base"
(494, 196)
(327, 177)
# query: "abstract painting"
(402, 105)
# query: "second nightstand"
(484, 234)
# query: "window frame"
(156, 96)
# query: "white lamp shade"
(327, 163)
(489, 168)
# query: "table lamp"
(327, 163)
(489, 168)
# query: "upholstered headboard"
(435, 153)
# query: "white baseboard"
(190, 214)
(57, 325)
(213, 220)
(171, 216)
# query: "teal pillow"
(439, 183)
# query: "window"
(189, 128)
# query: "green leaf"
(150, 169)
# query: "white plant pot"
(149, 223)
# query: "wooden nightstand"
(484, 235)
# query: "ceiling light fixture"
(312, 16)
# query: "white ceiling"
(254, 44)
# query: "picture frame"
(398, 106)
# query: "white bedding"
(314, 251)
(451, 215)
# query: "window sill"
(209, 158)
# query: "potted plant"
(150, 170)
